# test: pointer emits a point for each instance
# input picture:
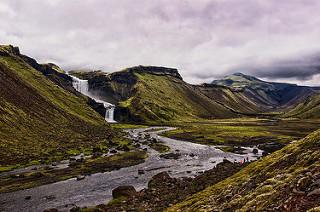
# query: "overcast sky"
(204, 39)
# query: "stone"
(123, 191)
(140, 171)
(81, 177)
(255, 151)
(27, 197)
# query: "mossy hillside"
(281, 181)
(308, 109)
(40, 120)
(164, 98)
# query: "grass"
(243, 131)
(41, 121)
(161, 148)
(127, 126)
(265, 184)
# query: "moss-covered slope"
(287, 180)
(157, 94)
(39, 119)
(308, 109)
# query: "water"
(83, 87)
(97, 188)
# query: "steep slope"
(158, 94)
(287, 180)
(39, 120)
(308, 109)
(269, 95)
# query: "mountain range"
(159, 94)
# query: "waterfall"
(83, 87)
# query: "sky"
(204, 39)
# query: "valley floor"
(190, 151)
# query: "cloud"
(204, 39)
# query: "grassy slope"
(243, 131)
(40, 120)
(309, 109)
(281, 181)
(165, 98)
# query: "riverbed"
(97, 188)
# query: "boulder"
(123, 191)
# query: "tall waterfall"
(83, 87)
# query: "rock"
(80, 177)
(189, 172)
(303, 183)
(113, 151)
(255, 151)
(51, 210)
(192, 155)
(158, 180)
(314, 192)
(75, 209)
(123, 191)
(171, 156)
(54, 164)
(27, 197)
(50, 197)
(140, 171)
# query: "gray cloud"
(204, 39)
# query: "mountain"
(287, 180)
(307, 109)
(39, 118)
(159, 94)
(155, 94)
(270, 95)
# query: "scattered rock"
(171, 156)
(27, 197)
(255, 151)
(50, 197)
(314, 192)
(54, 164)
(192, 155)
(80, 177)
(123, 191)
(113, 151)
(140, 171)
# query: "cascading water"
(83, 87)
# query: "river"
(97, 188)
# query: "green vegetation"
(283, 180)
(306, 110)
(160, 147)
(89, 166)
(127, 126)
(41, 121)
(243, 131)
(161, 98)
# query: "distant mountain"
(40, 119)
(267, 94)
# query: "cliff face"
(40, 120)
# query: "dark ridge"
(157, 70)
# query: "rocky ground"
(164, 191)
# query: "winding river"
(97, 188)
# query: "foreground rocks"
(163, 191)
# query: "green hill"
(39, 120)
(308, 109)
(287, 180)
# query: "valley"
(69, 140)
